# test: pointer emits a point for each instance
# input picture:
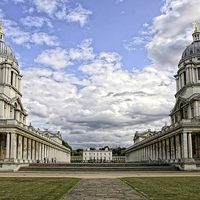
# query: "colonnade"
(23, 149)
(173, 148)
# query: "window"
(85, 154)
(97, 154)
(184, 76)
(104, 153)
(199, 73)
(11, 80)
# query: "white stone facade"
(20, 143)
(97, 155)
(178, 143)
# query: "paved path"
(107, 189)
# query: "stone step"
(97, 165)
(141, 168)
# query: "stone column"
(19, 150)
(156, 151)
(29, 150)
(33, 151)
(42, 152)
(190, 145)
(143, 153)
(45, 151)
(13, 147)
(39, 152)
(184, 145)
(7, 147)
(160, 150)
(25, 150)
(172, 148)
(36, 151)
(167, 149)
(178, 147)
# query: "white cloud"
(57, 58)
(20, 37)
(60, 58)
(108, 104)
(174, 31)
(79, 14)
(61, 10)
(48, 6)
(37, 22)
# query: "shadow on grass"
(23, 188)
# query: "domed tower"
(10, 84)
(188, 82)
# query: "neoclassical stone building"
(179, 142)
(20, 143)
(97, 155)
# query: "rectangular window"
(11, 79)
(85, 153)
(184, 76)
(199, 73)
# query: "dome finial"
(1, 31)
(196, 29)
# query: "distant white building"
(97, 155)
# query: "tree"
(66, 145)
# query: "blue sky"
(98, 71)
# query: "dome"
(191, 51)
(6, 51)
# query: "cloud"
(61, 10)
(109, 102)
(28, 39)
(79, 14)
(48, 6)
(105, 105)
(61, 58)
(173, 32)
(37, 22)
(57, 58)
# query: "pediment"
(179, 101)
(18, 100)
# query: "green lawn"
(176, 188)
(35, 188)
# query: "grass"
(23, 188)
(176, 188)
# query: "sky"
(98, 70)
